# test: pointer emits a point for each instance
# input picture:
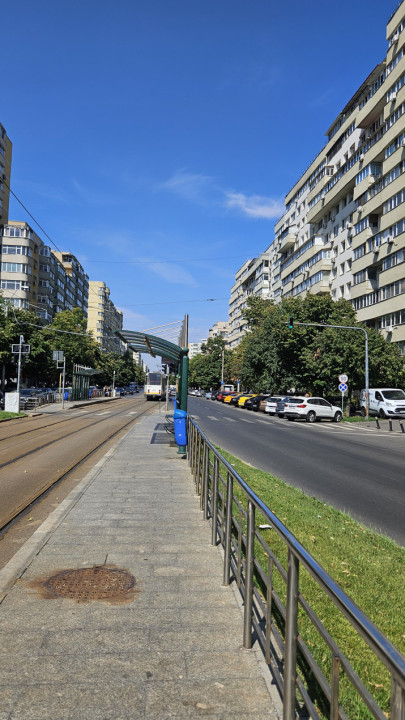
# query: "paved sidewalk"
(174, 650)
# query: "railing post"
(203, 464)
(206, 480)
(250, 556)
(198, 470)
(397, 700)
(214, 502)
(334, 702)
(228, 530)
(269, 608)
(291, 631)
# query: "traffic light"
(291, 322)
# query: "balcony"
(288, 238)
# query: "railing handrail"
(383, 647)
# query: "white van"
(384, 402)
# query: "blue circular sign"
(342, 387)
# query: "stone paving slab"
(173, 651)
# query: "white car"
(271, 404)
(311, 409)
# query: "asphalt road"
(357, 469)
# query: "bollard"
(402, 426)
(390, 424)
(377, 423)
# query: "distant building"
(79, 286)
(5, 174)
(195, 348)
(253, 278)
(103, 317)
(219, 329)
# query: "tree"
(205, 369)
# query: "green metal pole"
(183, 385)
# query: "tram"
(155, 386)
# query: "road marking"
(211, 417)
(251, 422)
(106, 412)
(230, 419)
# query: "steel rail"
(56, 440)
(227, 524)
(49, 424)
(29, 503)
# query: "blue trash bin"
(180, 427)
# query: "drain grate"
(99, 582)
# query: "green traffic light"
(291, 322)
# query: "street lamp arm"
(347, 327)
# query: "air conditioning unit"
(360, 208)
(393, 95)
(403, 143)
(361, 156)
(349, 225)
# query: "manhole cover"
(99, 582)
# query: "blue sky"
(149, 131)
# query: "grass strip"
(368, 566)
(10, 415)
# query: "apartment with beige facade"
(219, 329)
(253, 278)
(33, 278)
(103, 317)
(343, 229)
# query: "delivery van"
(384, 402)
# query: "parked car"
(271, 404)
(120, 391)
(243, 398)
(311, 409)
(208, 395)
(253, 403)
(280, 405)
(28, 397)
(234, 399)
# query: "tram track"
(56, 440)
(29, 502)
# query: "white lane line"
(251, 422)
(211, 417)
(106, 412)
(229, 419)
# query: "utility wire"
(31, 216)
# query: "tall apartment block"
(5, 173)
(103, 317)
(79, 280)
(253, 278)
(33, 278)
(343, 229)
(219, 329)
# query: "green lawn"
(10, 415)
(368, 566)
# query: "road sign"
(342, 387)
(25, 349)
(343, 378)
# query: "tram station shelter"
(168, 351)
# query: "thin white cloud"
(133, 320)
(192, 186)
(255, 206)
(173, 273)
(90, 196)
(204, 189)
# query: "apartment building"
(194, 348)
(219, 329)
(5, 174)
(78, 295)
(33, 278)
(253, 278)
(103, 317)
(343, 229)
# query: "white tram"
(155, 386)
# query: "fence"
(276, 612)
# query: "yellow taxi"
(228, 398)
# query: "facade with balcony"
(343, 229)
(103, 317)
(253, 278)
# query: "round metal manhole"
(99, 582)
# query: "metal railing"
(275, 609)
